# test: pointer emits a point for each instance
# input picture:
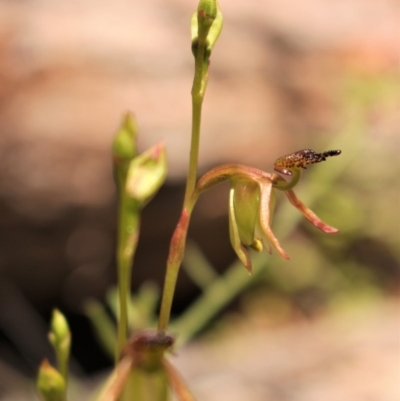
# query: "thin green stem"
(62, 359)
(174, 262)
(194, 148)
(198, 91)
(127, 243)
(178, 240)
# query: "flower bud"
(50, 383)
(206, 25)
(206, 13)
(146, 174)
(60, 338)
(124, 145)
(59, 335)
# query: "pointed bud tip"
(157, 151)
(207, 10)
(59, 327)
(45, 364)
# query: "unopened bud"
(124, 144)
(59, 335)
(206, 13)
(206, 25)
(146, 174)
(50, 383)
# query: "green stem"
(194, 149)
(62, 359)
(174, 262)
(178, 240)
(198, 91)
(127, 242)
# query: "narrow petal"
(308, 214)
(176, 382)
(265, 217)
(116, 382)
(238, 247)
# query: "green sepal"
(246, 206)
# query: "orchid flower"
(252, 200)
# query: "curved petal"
(238, 247)
(265, 217)
(176, 382)
(309, 214)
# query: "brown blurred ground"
(68, 71)
(351, 355)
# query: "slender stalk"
(198, 90)
(174, 262)
(127, 242)
(178, 240)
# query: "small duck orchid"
(252, 200)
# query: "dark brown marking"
(302, 158)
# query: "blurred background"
(285, 75)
